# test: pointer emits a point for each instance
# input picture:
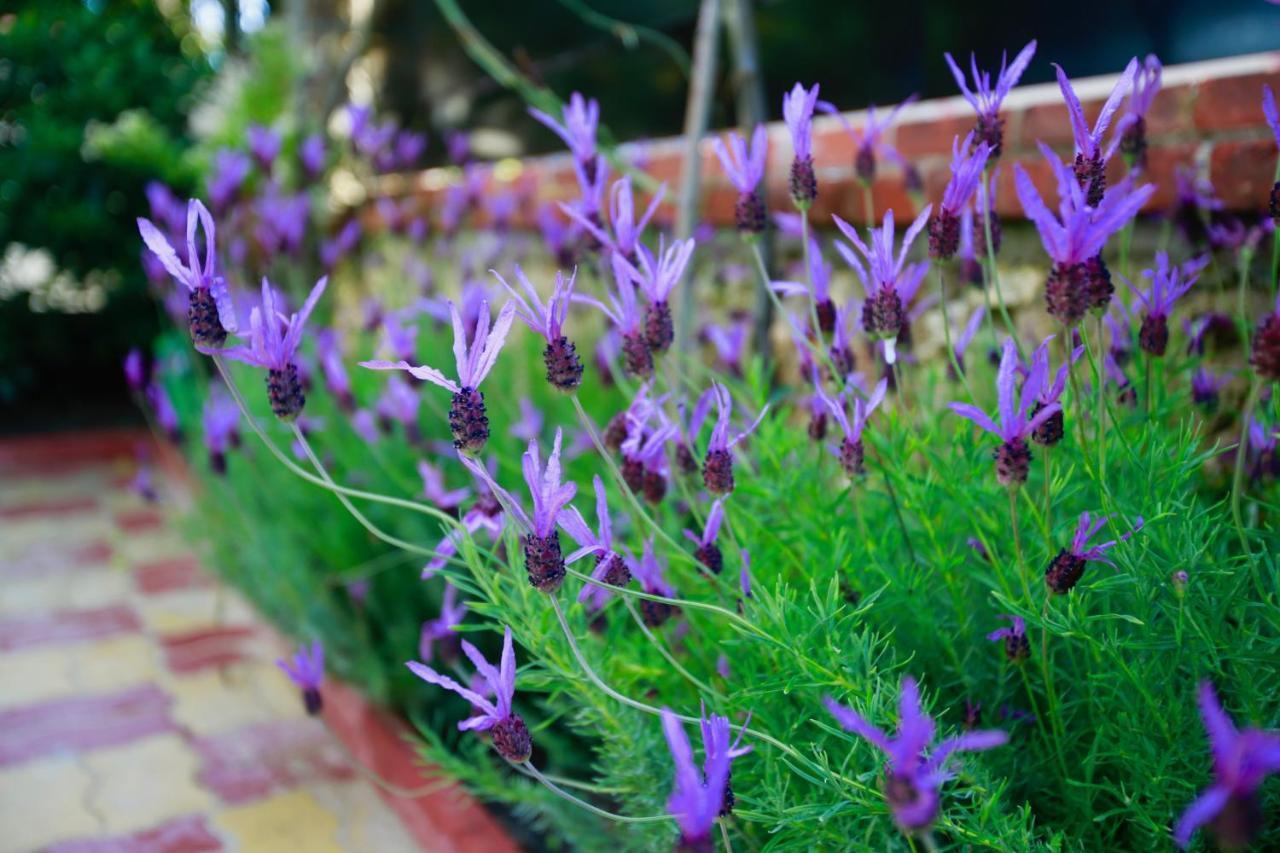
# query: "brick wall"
(1208, 113)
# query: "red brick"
(138, 521)
(67, 506)
(1170, 110)
(832, 146)
(1243, 173)
(1233, 102)
(51, 557)
(1047, 123)
(66, 626)
(83, 723)
(168, 575)
(931, 137)
(187, 834)
(247, 764)
(1162, 165)
(207, 648)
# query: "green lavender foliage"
(855, 585)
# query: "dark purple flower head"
(967, 162)
(985, 98)
(1016, 646)
(441, 628)
(273, 337)
(712, 529)
(1089, 142)
(698, 795)
(472, 362)
(306, 670)
(1037, 380)
(720, 433)
(889, 281)
(546, 319)
(912, 778)
(264, 145)
(191, 273)
(744, 164)
(797, 111)
(1241, 761)
(578, 130)
(549, 494)
(861, 410)
(1013, 423)
(1168, 283)
(230, 168)
(869, 140)
(501, 680)
(1077, 232)
(1086, 529)
(1205, 387)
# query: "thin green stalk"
(1020, 566)
(1048, 498)
(1237, 480)
(946, 329)
(683, 603)
(666, 654)
(995, 273)
(533, 772)
(808, 277)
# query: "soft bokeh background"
(99, 97)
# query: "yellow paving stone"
(192, 610)
(114, 663)
(290, 821)
(368, 823)
(101, 587)
(216, 701)
(149, 546)
(144, 783)
(28, 676)
(43, 802)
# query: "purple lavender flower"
(409, 147)
(458, 146)
(653, 580)
(985, 99)
(434, 489)
(851, 452)
(1265, 356)
(399, 403)
(961, 344)
(657, 278)
(644, 458)
(560, 235)
(1013, 457)
(1206, 386)
(624, 311)
(306, 670)
(1168, 284)
(729, 342)
(708, 552)
(221, 420)
(717, 467)
(700, 795)
(509, 733)
(967, 163)
(1131, 130)
(468, 419)
(588, 206)
(334, 250)
(1091, 158)
(820, 294)
(1045, 393)
(135, 375)
(440, 630)
(485, 515)
(610, 567)
(281, 221)
(1066, 569)
(543, 558)
(1241, 761)
(1016, 646)
(335, 371)
(230, 168)
(1074, 237)
(273, 345)
(580, 117)
(911, 779)
(797, 111)
(870, 139)
(210, 313)
(1262, 443)
(622, 219)
(1273, 119)
(162, 408)
(890, 283)
(529, 425)
(264, 145)
(744, 166)
(564, 368)
(312, 155)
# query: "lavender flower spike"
(986, 99)
(851, 452)
(912, 779)
(210, 313)
(797, 110)
(1241, 761)
(1168, 285)
(889, 282)
(510, 734)
(1066, 569)
(700, 795)
(1013, 457)
(581, 118)
(610, 567)
(468, 419)
(306, 670)
(648, 571)
(658, 277)
(1016, 646)
(564, 368)
(708, 552)
(221, 421)
(1045, 393)
(961, 344)
(273, 344)
(1131, 130)
(624, 312)
(744, 166)
(820, 277)
(1091, 159)
(440, 630)
(967, 163)
(870, 139)
(717, 467)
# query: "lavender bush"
(840, 575)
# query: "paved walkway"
(131, 719)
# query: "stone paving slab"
(139, 706)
